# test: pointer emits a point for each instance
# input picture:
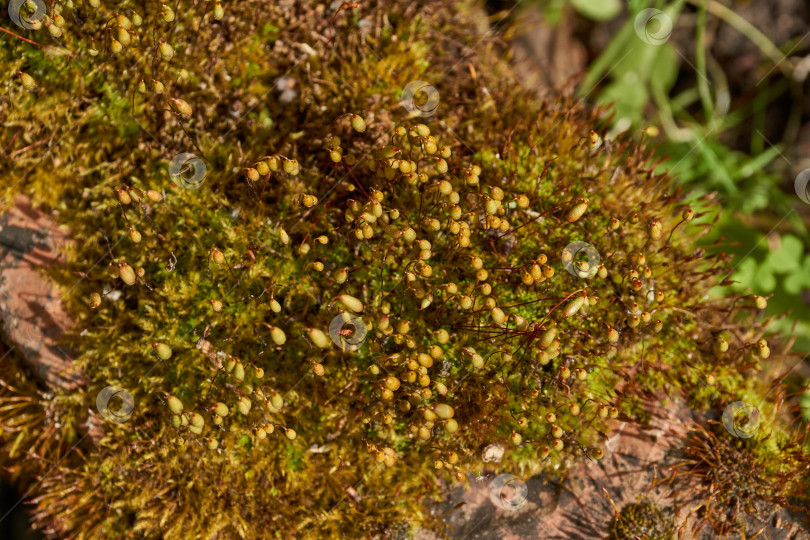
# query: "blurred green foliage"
(639, 79)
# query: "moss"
(644, 519)
(738, 482)
(519, 170)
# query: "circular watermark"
(741, 419)
(580, 259)
(37, 11)
(420, 98)
(508, 492)
(653, 26)
(118, 414)
(188, 170)
(347, 331)
(801, 185)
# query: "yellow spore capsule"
(220, 409)
(243, 405)
(342, 275)
(319, 339)
(166, 51)
(196, 420)
(219, 12)
(163, 351)
(577, 210)
(277, 335)
(573, 306)
(182, 107)
(358, 124)
(239, 371)
(28, 81)
(126, 273)
(175, 405)
(350, 302)
(603, 411)
(443, 411)
(217, 256)
(123, 196)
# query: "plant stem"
(22, 38)
(747, 29)
(700, 52)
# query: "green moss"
(644, 519)
(365, 449)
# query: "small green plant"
(644, 519)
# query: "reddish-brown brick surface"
(33, 317)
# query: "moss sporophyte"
(330, 304)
